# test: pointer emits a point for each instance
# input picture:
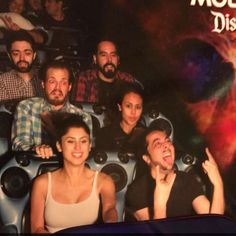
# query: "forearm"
(18, 145)
(160, 203)
(40, 230)
(218, 202)
(110, 216)
(37, 36)
(20, 140)
(159, 211)
(21, 135)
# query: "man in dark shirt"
(162, 192)
(63, 26)
(103, 83)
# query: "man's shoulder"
(9, 74)
(88, 75)
(186, 178)
(125, 76)
(74, 109)
(144, 181)
(34, 101)
(182, 175)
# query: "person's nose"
(133, 111)
(77, 146)
(58, 85)
(22, 57)
(166, 144)
(109, 58)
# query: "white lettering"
(215, 3)
(232, 4)
(218, 3)
(219, 22)
(233, 24)
(223, 22)
(201, 2)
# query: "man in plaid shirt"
(100, 85)
(22, 81)
(31, 127)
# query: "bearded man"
(31, 128)
(22, 81)
(102, 83)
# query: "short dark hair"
(157, 125)
(63, 1)
(130, 88)
(63, 121)
(20, 35)
(106, 39)
(56, 64)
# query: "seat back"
(121, 167)
(16, 176)
(155, 116)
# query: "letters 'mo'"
(214, 3)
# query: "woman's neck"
(73, 175)
(126, 128)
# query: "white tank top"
(60, 216)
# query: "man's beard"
(56, 101)
(22, 69)
(108, 73)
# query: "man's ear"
(94, 59)
(42, 83)
(70, 86)
(119, 106)
(146, 158)
(8, 54)
(34, 55)
(58, 145)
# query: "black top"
(108, 93)
(185, 189)
(114, 138)
(66, 35)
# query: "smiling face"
(75, 146)
(160, 151)
(131, 109)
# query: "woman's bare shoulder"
(105, 179)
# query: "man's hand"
(44, 151)
(10, 25)
(163, 186)
(211, 169)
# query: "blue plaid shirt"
(26, 127)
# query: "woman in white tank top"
(69, 196)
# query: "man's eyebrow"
(18, 50)
(156, 139)
(102, 51)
